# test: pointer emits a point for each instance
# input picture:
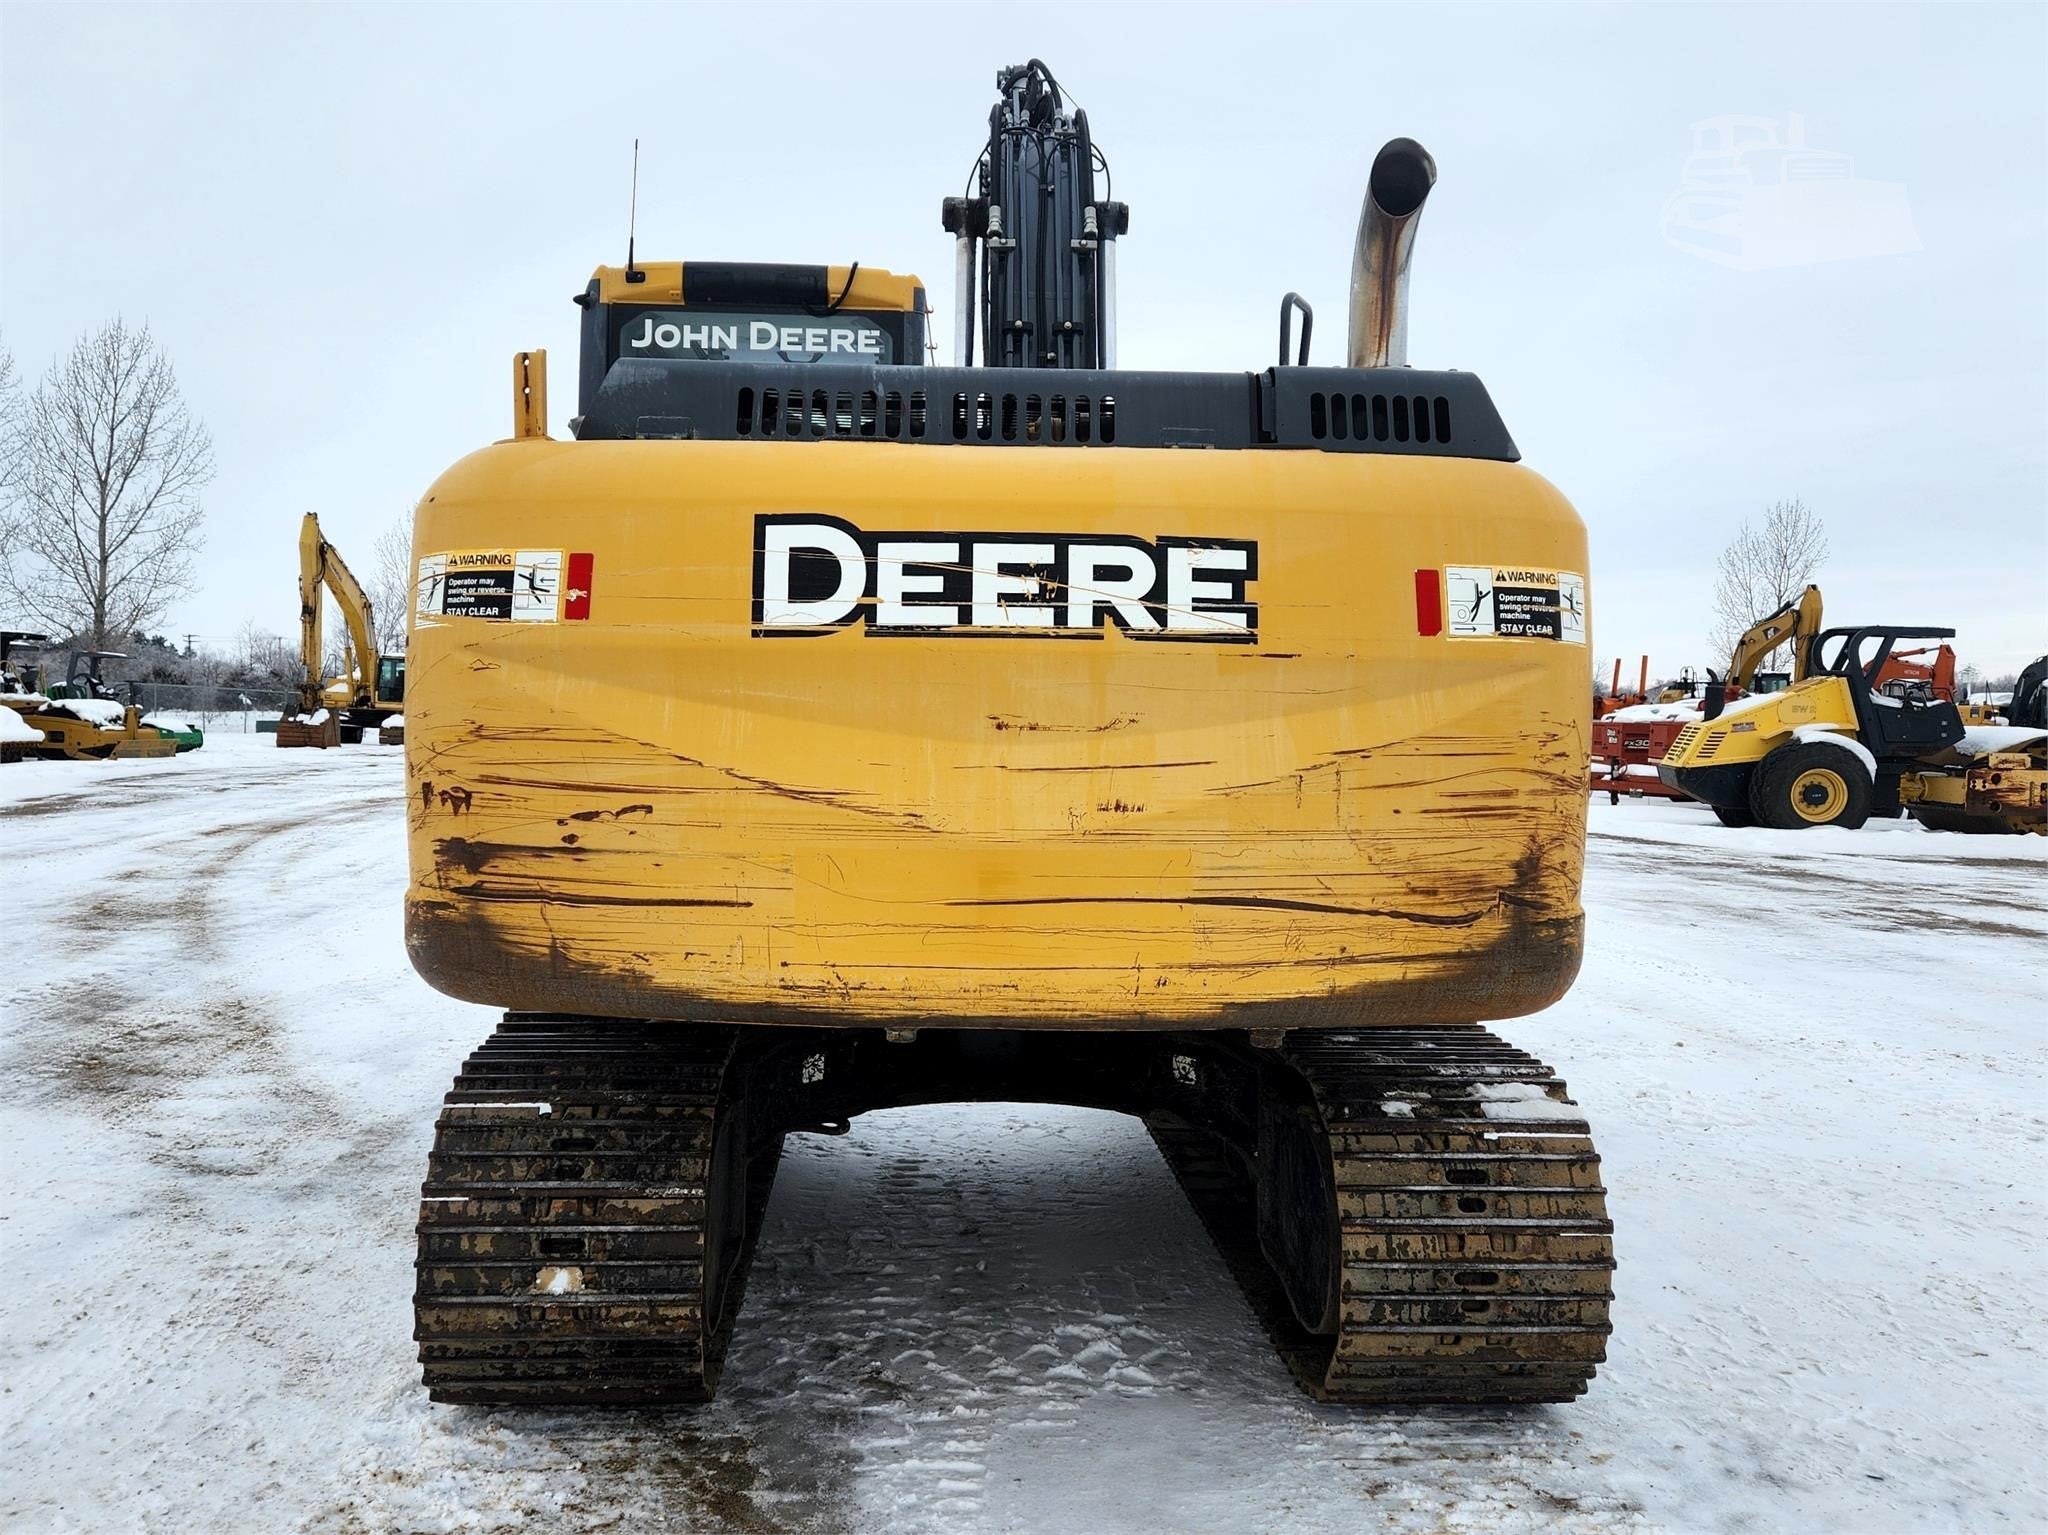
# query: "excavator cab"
(390, 680)
(640, 317)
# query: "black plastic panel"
(1332, 410)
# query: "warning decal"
(523, 586)
(1509, 602)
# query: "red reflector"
(1429, 602)
(576, 594)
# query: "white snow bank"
(171, 722)
(1684, 711)
(1741, 706)
(16, 730)
(394, 722)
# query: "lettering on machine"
(813, 575)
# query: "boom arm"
(321, 565)
(1797, 622)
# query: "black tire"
(1737, 817)
(1810, 783)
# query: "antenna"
(633, 274)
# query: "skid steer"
(817, 730)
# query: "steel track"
(1471, 1248)
(576, 1244)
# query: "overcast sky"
(341, 221)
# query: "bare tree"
(1765, 567)
(105, 496)
(265, 658)
(10, 418)
(390, 586)
(10, 457)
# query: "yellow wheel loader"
(372, 687)
(1834, 749)
(817, 730)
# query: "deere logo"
(816, 574)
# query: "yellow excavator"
(372, 687)
(816, 730)
(1837, 748)
(1794, 625)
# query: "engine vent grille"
(1344, 417)
(920, 415)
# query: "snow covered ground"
(1814, 1062)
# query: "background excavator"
(820, 731)
(371, 689)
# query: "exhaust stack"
(1402, 175)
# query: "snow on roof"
(16, 730)
(1753, 702)
(1642, 714)
(1979, 739)
(103, 712)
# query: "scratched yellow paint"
(655, 812)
